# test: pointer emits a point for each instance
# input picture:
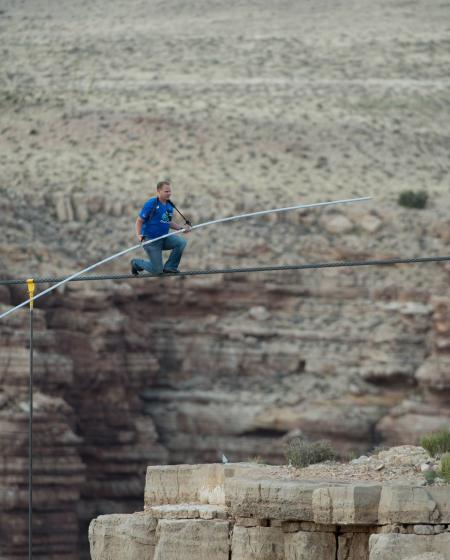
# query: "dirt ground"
(245, 105)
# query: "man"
(155, 220)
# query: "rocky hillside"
(257, 512)
(245, 107)
(185, 369)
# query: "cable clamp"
(31, 287)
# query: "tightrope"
(306, 266)
(205, 224)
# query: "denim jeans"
(175, 243)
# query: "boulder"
(312, 545)
(414, 505)
(257, 543)
(120, 536)
(192, 539)
(406, 547)
(349, 504)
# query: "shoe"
(135, 269)
(171, 271)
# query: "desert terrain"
(244, 106)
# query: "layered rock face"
(245, 512)
(185, 369)
(58, 469)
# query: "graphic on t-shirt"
(165, 218)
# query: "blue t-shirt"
(161, 216)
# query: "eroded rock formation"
(249, 512)
(183, 370)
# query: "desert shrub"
(412, 199)
(256, 459)
(445, 467)
(301, 453)
(436, 443)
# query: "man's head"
(164, 191)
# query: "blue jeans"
(175, 243)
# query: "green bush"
(411, 199)
(301, 453)
(437, 443)
(445, 467)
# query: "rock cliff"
(246, 512)
(245, 105)
(183, 370)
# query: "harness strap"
(152, 213)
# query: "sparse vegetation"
(437, 443)
(257, 459)
(445, 467)
(413, 199)
(301, 453)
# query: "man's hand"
(141, 238)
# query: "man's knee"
(182, 243)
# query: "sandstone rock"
(259, 312)
(434, 373)
(407, 547)
(188, 511)
(406, 504)
(272, 499)
(257, 543)
(192, 540)
(185, 483)
(353, 546)
(337, 224)
(120, 536)
(310, 545)
(370, 223)
(346, 504)
(63, 207)
(411, 427)
(423, 530)
(80, 208)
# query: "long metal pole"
(204, 224)
(31, 288)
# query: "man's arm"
(138, 226)
(177, 227)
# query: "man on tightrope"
(155, 220)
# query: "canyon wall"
(183, 370)
(246, 512)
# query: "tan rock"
(406, 547)
(63, 207)
(119, 536)
(272, 499)
(414, 505)
(370, 223)
(80, 208)
(350, 504)
(434, 373)
(192, 540)
(299, 546)
(257, 543)
(188, 511)
(337, 224)
(353, 546)
(184, 484)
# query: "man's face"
(165, 193)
